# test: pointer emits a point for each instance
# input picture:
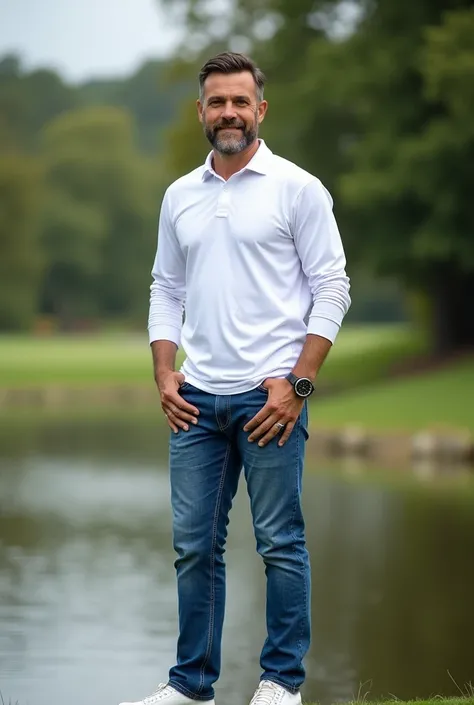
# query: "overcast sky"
(84, 38)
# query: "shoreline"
(443, 446)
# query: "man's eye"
(241, 103)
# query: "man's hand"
(283, 407)
(177, 411)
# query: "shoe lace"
(160, 693)
(267, 693)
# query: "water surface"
(87, 585)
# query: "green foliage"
(28, 101)
(185, 141)
(100, 182)
(376, 99)
(373, 97)
(408, 186)
(148, 95)
(98, 225)
(20, 255)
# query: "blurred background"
(97, 117)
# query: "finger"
(270, 435)
(286, 433)
(259, 418)
(263, 428)
(173, 419)
(177, 400)
(172, 426)
(179, 407)
(179, 414)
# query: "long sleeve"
(320, 249)
(168, 289)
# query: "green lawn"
(26, 360)
(358, 364)
(437, 399)
(361, 355)
(433, 701)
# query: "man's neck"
(226, 165)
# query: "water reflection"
(87, 587)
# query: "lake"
(87, 585)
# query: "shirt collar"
(260, 162)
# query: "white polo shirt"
(255, 262)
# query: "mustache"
(233, 123)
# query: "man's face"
(230, 112)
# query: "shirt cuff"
(324, 327)
(161, 331)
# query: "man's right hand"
(178, 412)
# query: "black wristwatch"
(302, 385)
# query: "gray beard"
(232, 145)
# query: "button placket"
(223, 203)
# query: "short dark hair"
(232, 62)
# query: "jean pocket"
(261, 388)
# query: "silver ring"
(280, 425)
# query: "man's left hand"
(279, 414)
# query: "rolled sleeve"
(168, 289)
(319, 246)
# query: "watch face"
(304, 387)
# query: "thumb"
(179, 378)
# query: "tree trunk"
(453, 311)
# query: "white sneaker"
(167, 694)
(270, 693)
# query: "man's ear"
(200, 110)
(262, 110)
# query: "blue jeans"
(205, 465)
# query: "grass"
(433, 701)
(467, 698)
(26, 360)
(359, 365)
(362, 354)
(439, 399)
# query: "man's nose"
(229, 111)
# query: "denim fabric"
(205, 464)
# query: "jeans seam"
(292, 532)
(229, 411)
(228, 414)
(184, 691)
(291, 688)
(213, 571)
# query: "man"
(249, 242)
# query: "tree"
(375, 98)
(20, 255)
(146, 94)
(409, 185)
(28, 101)
(99, 217)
